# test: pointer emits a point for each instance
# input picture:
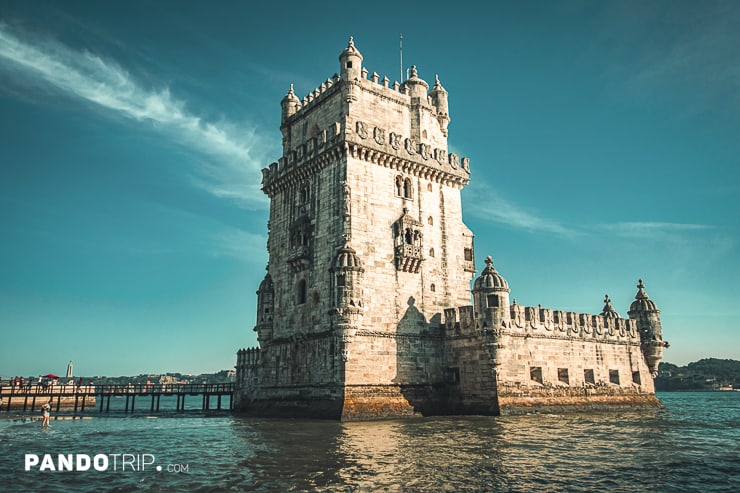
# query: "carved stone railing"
(299, 257)
(408, 258)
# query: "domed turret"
(439, 100)
(642, 302)
(350, 62)
(347, 273)
(491, 296)
(416, 87)
(608, 311)
(490, 279)
(290, 104)
(647, 316)
(346, 259)
(266, 285)
(265, 309)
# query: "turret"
(646, 313)
(347, 304)
(265, 310)
(491, 297)
(439, 101)
(350, 62)
(608, 311)
(290, 105)
(347, 273)
(416, 87)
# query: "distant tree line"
(705, 374)
(223, 376)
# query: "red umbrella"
(51, 375)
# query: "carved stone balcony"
(299, 258)
(408, 258)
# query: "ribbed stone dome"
(290, 97)
(642, 302)
(347, 259)
(608, 311)
(266, 285)
(490, 279)
(350, 50)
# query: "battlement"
(538, 321)
(248, 358)
(374, 83)
(328, 87)
(398, 91)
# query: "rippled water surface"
(691, 445)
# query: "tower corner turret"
(491, 296)
(350, 62)
(438, 95)
(645, 312)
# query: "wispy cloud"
(488, 205)
(235, 154)
(655, 230)
(484, 203)
(241, 245)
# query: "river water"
(693, 444)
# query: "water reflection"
(574, 452)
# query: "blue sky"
(604, 140)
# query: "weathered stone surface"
(365, 311)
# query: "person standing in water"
(46, 409)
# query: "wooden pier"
(77, 397)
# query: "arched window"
(429, 187)
(304, 194)
(408, 237)
(424, 134)
(433, 288)
(407, 188)
(301, 292)
(430, 221)
(399, 186)
(431, 252)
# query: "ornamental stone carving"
(410, 145)
(362, 129)
(379, 135)
(395, 140)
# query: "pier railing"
(75, 397)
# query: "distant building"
(365, 308)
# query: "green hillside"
(705, 374)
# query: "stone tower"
(365, 311)
(366, 247)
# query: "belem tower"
(365, 311)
